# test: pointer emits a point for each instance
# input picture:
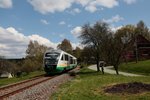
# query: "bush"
(30, 65)
(82, 65)
(7, 66)
(73, 73)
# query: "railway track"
(8, 91)
(20, 86)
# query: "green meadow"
(142, 67)
(90, 85)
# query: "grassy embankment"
(89, 85)
(6, 81)
(142, 67)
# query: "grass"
(6, 81)
(89, 85)
(142, 67)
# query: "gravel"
(18, 86)
(42, 91)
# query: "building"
(140, 50)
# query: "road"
(110, 71)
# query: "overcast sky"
(50, 21)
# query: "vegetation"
(34, 58)
(32, 62)
(24, 76)
(142, 29)
(95, 36)
(103, 44)
(89, 85)
(142, 67)
(100, 43)
(66, 46)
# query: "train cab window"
(52, 55)
(66, 57)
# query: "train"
(57, 61)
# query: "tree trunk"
(98, 66)
(116, 68)
(97, 61)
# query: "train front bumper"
(53, 69)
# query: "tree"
(94, 37)
(34, 58)
(65, 45)
(118, 44)
(142, 29)
(34, 49)
(77, 53)
(87, 55)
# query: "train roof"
(59, 51)
(53, 50)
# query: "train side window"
(62, 58)
(66, 57)
(71, 60)
(74, 61)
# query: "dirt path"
(110, 71)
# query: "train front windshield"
(52, 58)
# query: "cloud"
(62, 23)
(74, 11)
(91, 8)
(43, 21)
(6, 4)
(114, 29)
(130, 1)
(83, 2)
(94, 5)
(41, 40)
(76, 31)
(74, 45)
(50, 6)
(13, 44)
(114, 19)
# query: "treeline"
(32, 62)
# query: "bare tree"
(95, 36)
(118, 44)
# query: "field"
(6, 81)
(89, 85)
(142, 67)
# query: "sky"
(51, 21)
